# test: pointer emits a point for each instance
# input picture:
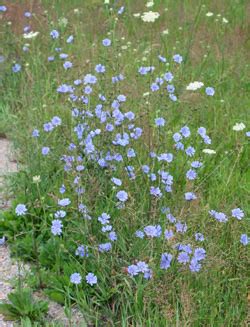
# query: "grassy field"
(86, 153)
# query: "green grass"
(214, 53)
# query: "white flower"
(193, 86)
(224, 20)
(149, 4)
(239, 127)
(63, 21)
(137, 14)
(106, 2)
(150, 16)
(165, 32)
(30, 35)
(208, 151)
(36, 179)
(209, 14)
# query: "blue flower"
(106, 42)
(122, 196)
(89, 79)
(112, 236)
(154, 87)
(190, 151)
(219, 216)
(70, 39)
(133, 270)
(75, 278)
(82, 251)
(191, 174)
(91, 279)
(51, 58)
(105, 247)
(160, 121)
(139, 234)
(56, 121)
(64, 202)
(60, 214)
(67, 65)
(210, 91)
(189, 196)
(177, 58)
(54, 34)
(244, 239)
(183, 257)
(27, 14)
(104, 218)
(142, 266)
(194, 266)
(16, 68)
(56, 228)
(166, 259)
(155, 191)
(196, 164)
(21, 210)
(185, 131)
(45, 150)
(199, 254)
(168, 76)
(35, 133)
(116, 181)
(199, 237)
(3, 8)
(2, 240)
(238, 213)
(168, 234)
(120, 10)
(100, 68)
(153, 230)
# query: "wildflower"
(155, 191)
(149, 4)
(210, 91)
(248, 134)
(106, 42)
(178, 58)
(75, 278)
(21, 210)
(168, 76)
(190, 151)
(63, 55)
(64, 202)
(36, 179)
(219, 216)
(70, 39)
(89, 79)
(3, 8)
(202, 131)
(105, 247)
(166, 259)
(16, 68)
(91, 279)
(168, 234)
(148, 274)
(54, 34)
(122, 196)
(194, 266)
(2, 240)
(30, 35)
(60, 214)
(154, 87)
(160, 121)
(56, 228)
(180, 228)
(194, 86)
(199, 237)
(35, 133)
(45, 150)
(185, 131)
(196, 164)
(112, 236)
(189, 196)
(56, 121)
(244, 239)
(209, 14)
(142, 266)
(208, 151)
(139, 234)
(183, 257)
(150, 16)
(120, 10)
(191, 174)
(64, 88)
(100, 68)
(116, 181)
(67, 65)
(153, 231)
(133, 270)
(239, 127)
(51, 58)
(199, 254)
(224, 20)
(238, 213)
